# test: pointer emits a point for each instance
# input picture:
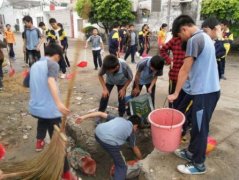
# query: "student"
(45, 32)
(114, 40)
(112, 134)
(228, 39)
(147, 74)
(162, 35)
(200, 75)
(175, 46)
(211, 26)
(119, 74)
(10, 39)
(144, 37)
(57, 35)
(65, 45)
(45, 103)
(97, 47)
(2, 45)
(123, 35)
(131, 43)
(32, 41)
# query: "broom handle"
(70, 86)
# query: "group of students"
(34, 38)
(193, 81)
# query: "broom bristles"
(48, 164)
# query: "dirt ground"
(18, 128)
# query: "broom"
(48, 165)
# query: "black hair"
(210, 22)
(8, 25)
(115, 25)
(27, 19)
(53, 49)
(52, 20)
(157, 62)
(163, 26)
(110, 62)
(225, 22)
(144, 26)
(135, 120)
(131, 25)
(41, 24)
(182, 20)
(60, 25)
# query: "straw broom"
(48, 165)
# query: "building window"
(39, 19)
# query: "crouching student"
(119, 74)
(147, 74)
(45, 103)
(112, 134)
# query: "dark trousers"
(202, 110)
(67, 60)
(97, 58)
(219, 66)
(171, 90)
(32, 56)
(147, 87)
(122, 45)
(113, 51)
(11, 51)
(62, 64)
(223, 64)
(44, 125)
(130, 50)
(104, 101)
(184, 105)
(119, 162)
(141, 50)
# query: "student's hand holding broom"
(54, 92)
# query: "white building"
(156, 12)
(12, 12)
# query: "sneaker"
(192, 168)
(63, 76)
(184, 154)
(40, 145)
(137, 54)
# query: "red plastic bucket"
(166, 128)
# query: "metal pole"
(169, 11)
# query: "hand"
(38, 48)
(79, 120)
(150, 90)
(172, 97)
(136, 91)
(105, 93)
(24, 49)
(62, 108)
(122, 93)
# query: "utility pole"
(169, 11)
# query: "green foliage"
(223, 10)
(83, 8)
(107, 12)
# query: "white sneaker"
(137, 54)
(63, 76)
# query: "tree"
(223, 10)
(105, 12)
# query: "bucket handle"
(164, 105)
